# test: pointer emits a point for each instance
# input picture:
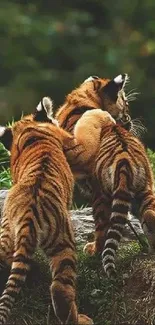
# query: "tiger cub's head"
(42, 115)
(110, 95)
(106, 94)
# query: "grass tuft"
(127, 300)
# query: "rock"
(84, 225)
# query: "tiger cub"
(95, 93)
(36, 212)
(118, 161)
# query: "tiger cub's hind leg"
(146, 200)
(25, 244)
(101, 213)
(63, 289)
(6, 244)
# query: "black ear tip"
(125, 77)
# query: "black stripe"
(7, 303)
(97, 85)
(52, 195)
(118, 227)
(22, 259)
(104, 151)
(66, 281)
(76, 111)
(113, 235)
(110, 158)
(123, 195)
(45, 215)
(24, 214)
(64, 264)
(11, 293)
(120, 208)
(3, 313)
(30, 224)
(66, 150)
(36, 214)
(19, 271)
(118, 131)
(111, 245)
(29, 250)
(25, 241)
(118, 219)
(18, 283)
(108, 252)
(57, 218)
(31, 141)
(108, 260)
(147, 204)
(58, 249)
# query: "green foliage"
(4, 157)
(102, 298)
(151, 156)
(48, 49)
(5, 177)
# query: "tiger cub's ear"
(6, 137)
(44, 111)
(115, 85)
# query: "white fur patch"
(39, 107)
(119, 79)
(55, 122)
(122, 78)
(47, 103)
(2, 130)
(89, 79)
(48, 106)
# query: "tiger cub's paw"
(90, 248)
(84, 320)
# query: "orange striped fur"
(119, 163)
(36, 212)
(94, 93)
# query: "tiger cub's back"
(36, 213)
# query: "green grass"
(5, 177)
(108, 302)
(151, 156)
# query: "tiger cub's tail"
(121, 204)
(25, 244)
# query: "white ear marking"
(2, 130)
(118, 79)
(39, 107)
(48, 105)
(121, 78)
(89, 79)
(55, 122)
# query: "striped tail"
(120, 206)
(25, 246)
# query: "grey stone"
(83, 222)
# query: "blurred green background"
(49, 47)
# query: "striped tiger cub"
(118, 161)
(36, 212)
(95, 93)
